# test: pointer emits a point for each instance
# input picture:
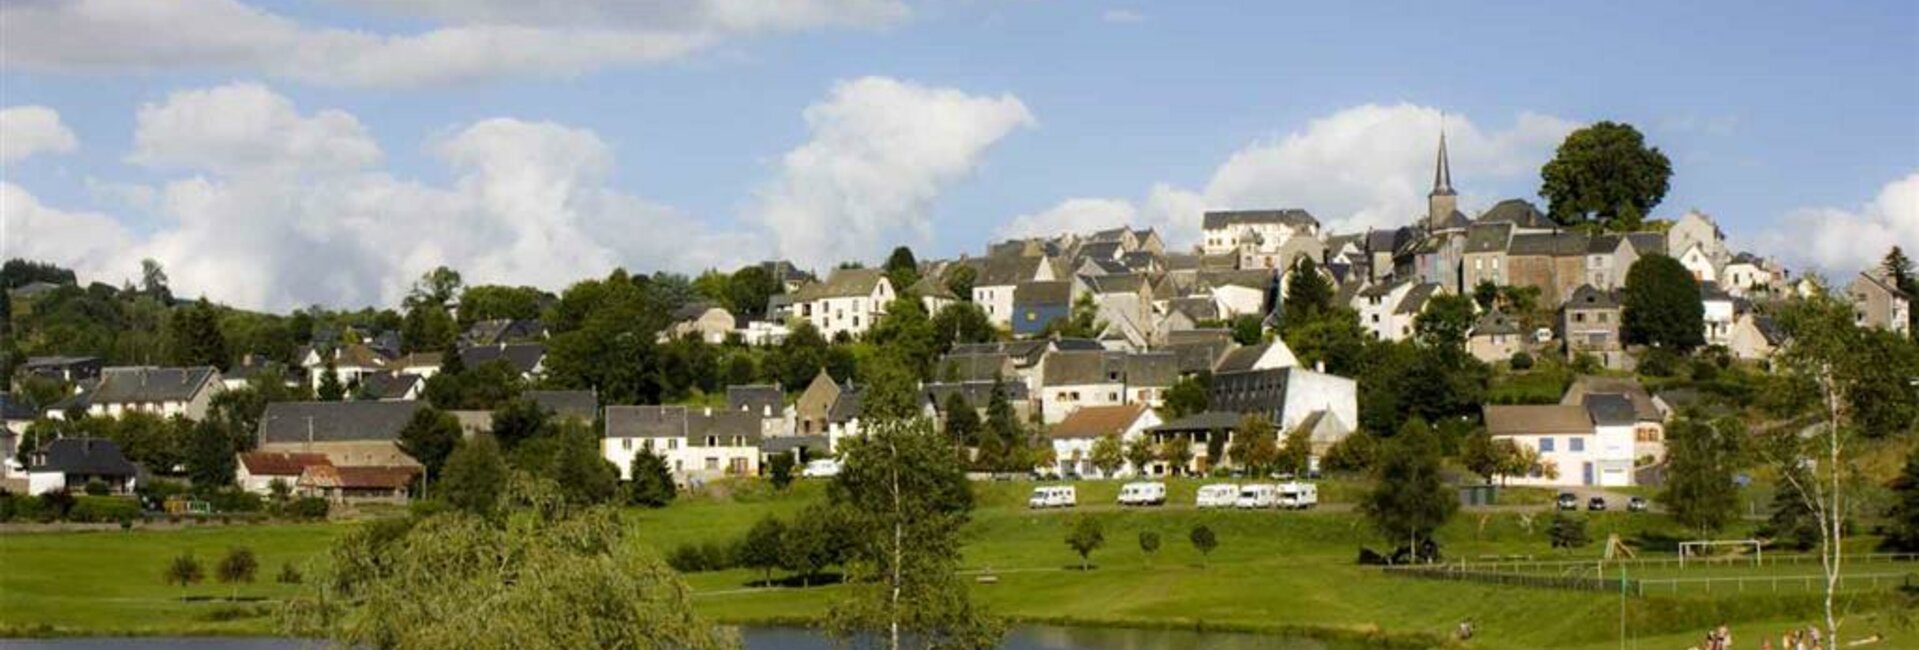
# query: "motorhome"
(1260, 495)
(1142, 494)
(1298, 496)
(1217, 495)
(1053, 497)
(822, 468)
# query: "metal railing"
(1773, 559)
(1770, 584)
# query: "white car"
(1053, 497)
(1298, 496)
(822, 468)
(1142, 494)
(1257, 496)
(1217, 495)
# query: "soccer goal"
(1703, 547)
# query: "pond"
(1022, 637)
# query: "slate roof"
(1005, 270)
(1588, 297)
(1709, 291)
(1536, 419)
(1207, 421)
(145, 385)
(1292, 217)
(972, 367)
(582, 404)
(1152, 369)
(390, 386)
(84, 456)
(1197, 356)
(848, 406)
(1347, 291)
(1097, 421)
(1387, 241)
(930, 286)
(1416, 299)
(373, 477)
(335, 421)
(1518, 212)
(1495, 322)
(1181, 261)
(1634, 392)
(1118, 283)
(843, 283)
(786, 444)
(1251, 278)
(1043, 293)
(1069, 344)
(1100, 250)
(1242, 358)
(251, 366)
(756, 398)
(1197, 309)
(1082, 367)
(1610, 410)
(13, 408)
(679, 421)
(1488, 237)
(1647, 242)
(524, 356)
(977, 393)
(1200, 335)
(1549, 243)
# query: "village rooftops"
(1415, 300)
(1517, 212)
(843, 283)
(694, 425)
(1207, 421)
(1488, 237)
(143, 385)
(1097, 421)
(524, 357)
(84, 456)
(1537, 419)
(1495, 323)
(756, 398)
(1080, 368)
(1294, 217)
(1558, 244)
(1610, 410)
(293, 422)
(1588, 297)
(269, 463)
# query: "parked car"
(1568, 502)
(1295, 495)
(1142, 494)
(822, 468)
(1636, 504)
(1596, 504)
(1217, 495)
(1258, 495)
(1053, 496)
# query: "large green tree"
(1445, 321)
(1605, 173)
(962, 322)
(474, 476)
(1660, 305)
(430, 436)
(1902, 519)
(902, 269)
(1409, 499)
(1701, 458)
(210, 455)
(194, 336)
(1309, 295)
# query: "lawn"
(1273, 571)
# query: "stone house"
(1590, 325)
(848, 302)
(165, 392)
(1877, 303)
(349, 434)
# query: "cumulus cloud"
(1365, 166)
(29, 130)
(1845, 240)
(281, 208)
(1071, 215)
(465, 41)
(880, 150)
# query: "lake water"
(1024, 637)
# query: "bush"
(696, 558)
(289, 575)
(100, 509)
(1522, 361)
(308, 508)
(6, 505)
(1659, 362)
(29, 509)
(235, 500)
(98, 488)
(55, 505)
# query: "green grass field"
(1273, 571)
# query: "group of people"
(1810, 638)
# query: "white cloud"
(1071, 215)
(880, 151)
(1126, 16)
(29, 130)
(1365, 166)
(92, 244)
(467, 40)
(246, 128)
(1841, 240)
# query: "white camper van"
(1258, 495)
(1142, 494)
(1217, 495)
(1298, 496)
(1053, 496)
(822, 468)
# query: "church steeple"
(1442, 202)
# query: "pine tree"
(330, 388)
(1308, 294)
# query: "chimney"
(1319, 366)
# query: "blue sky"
(940, 124)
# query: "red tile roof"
(266, 463)
(1096, 421)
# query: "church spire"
(1442, 203)
(1443, 171)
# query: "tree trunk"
(899, 541)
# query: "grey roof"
(1207, 421)
(1549, 243)
(977, 393)
(1200, 335)
(1606, 243)
(1709, 291)
(37, 363)
(1347, 291)
(582, 404)
(1118, 283)
(1043, 293)
(1004, 270)
(524, 356)
(1066, 344)
(1250, 278)
(1101, 250)
(1488, 237)
(756, 398)
(1181, 261)
(679, 421)
(1198, 356)
(390, 385)
(1292, 217)
(12, 408)
(1152, 369)
(843, 283)
(1588, 297)
(786, 444)
(1518, 212)
(1241, 359)
(1647, 242)
(83, 456)
(848, 406)
(1495, 322)
(1198, 309)
(1141, 260)
(1387, 241)
(1455, 220)
(145, 385)
(973, 367)
(335, 421)
(930, 286)
(1082, 367)
(1610, 410)
(1769, 328)
(1416, 299)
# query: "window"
(712, 441)
(672, 443)
(712, 463)
(1576, 444)
(1545, 444)
(1579, 317)
(626, 444)
(1601, 316)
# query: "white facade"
(1378, 313)
(1236, 300)
(1700, 263)
(1057, 402)
(997, 301)
(1743, 277)
(853, 315)
(1250, 238)
(1718, 320)
(1603, 458)
(1308, 391)
(710, 460)
(1074, 455)
(763, 333)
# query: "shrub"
(308, 508)
(235, 500)
(696, 558)
(98, 488)
(55, 505)
(102, 509)
(289, 575)
(1522, 361)
(1659, 362)
(6, 505)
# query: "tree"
(1605, 174)
(1660, 305)
(210, 455)
(960, 281)
(812, 542)
(1567, 532)
(428, 326)
(497, 302)
(1334, 339)
(1149, 544)
(153, 280)
(237, 568)
(1203, 541)
(584, 477)
(1700, 458)
(474, 476)
(1445, 321)
(962, 322)
(762, 546)
(1187, 396)
(605, 333)
(1255, 446)
(902, 269)
(750, 289)
(1296, 456)
(1248, 329)
(330, 388)
(1902, 519)
(962, 422)
(1082, 322)
(1409, 499)
(430, 436)
(1140, 453)
(906, 333)
(1108, 455)
(1177, 453)
(184, 571)
(652, 481)
(1002, 440)
(779, 470)
(1355, 453)
(1486, 295)
(1309, 296)
(518, 421)
(1085, 536)
(1898, 269)
(906, 499)
(194, 337)
(1792, 523)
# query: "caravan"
(1052, 496)
(1294, 495)
(1142, 494)
(1217, 495)
(1260, 495)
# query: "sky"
(274, 155)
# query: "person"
(1725, 636)
(1466, 630)
(1765, 643)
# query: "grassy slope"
(1273, 570)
